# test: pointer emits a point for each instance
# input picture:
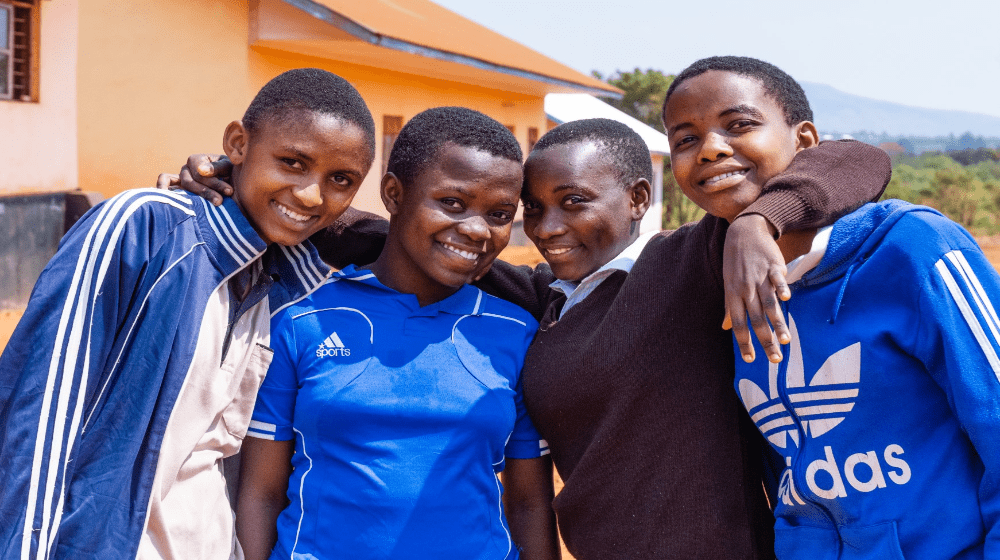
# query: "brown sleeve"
(822, 184)
(526, 287)
(357, 237)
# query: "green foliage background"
(962, 184)
(968, 193)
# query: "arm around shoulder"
(357, 237)
(525, 287)
(823, 184)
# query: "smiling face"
(295, 175)
(575, 209)
(449, 224)
(727, 139)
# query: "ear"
(806, 135)
(640, 197)
(235, 141)
(392, 193)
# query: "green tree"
(644, 93)
(953, 192)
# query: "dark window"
(390, 130)
(18, 50)
(532, 137)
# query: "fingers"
(771, 306)
(777, 277)
(209, 171)
(757, 312)
(736, 314)
(767, 315)
(167, 181)
(198, 187)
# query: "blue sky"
(940, 55)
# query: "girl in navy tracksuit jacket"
(886, 406)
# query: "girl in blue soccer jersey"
(394, 400)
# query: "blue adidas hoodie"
(886, 407)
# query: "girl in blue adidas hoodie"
(886, 406)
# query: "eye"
(502, 217)
(573, 200)
(342, 180)
(531, 207)
(453, 203)
(683, 141)
(742, 125)
(293, 163)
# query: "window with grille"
(18, 50)
(391, 125)
(532, 137)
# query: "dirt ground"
(992, 253)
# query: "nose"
(714, 147)
(309, 195)
(549, 225)
(475, 228)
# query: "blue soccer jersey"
(401, 415)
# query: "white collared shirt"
(803, 264)
(577, 291)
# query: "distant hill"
(837, 112)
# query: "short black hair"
(312, 90)
(421, 139)
(623, 148)
(775, 81)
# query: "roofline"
(651, 150)
(351, 27)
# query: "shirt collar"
(624, 261)
(468, 300)
(803, 264)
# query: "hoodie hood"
(855, 236)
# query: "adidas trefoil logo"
(820, 406)
(332, 346)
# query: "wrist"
(757, 222)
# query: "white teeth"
(291, 214)
(557, 251)
(463, 254)
(718, 178)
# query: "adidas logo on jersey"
(332, 346)
(820, 405)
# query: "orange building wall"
(38, 139)
(157, 81)
(160, 80)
